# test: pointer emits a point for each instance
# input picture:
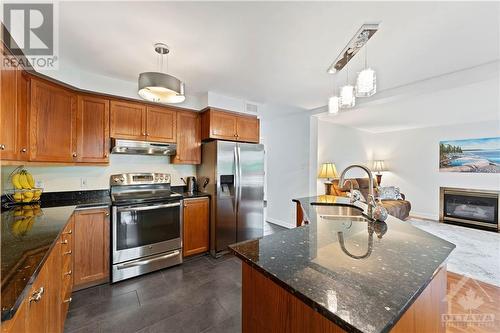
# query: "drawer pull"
(69, 232)
(2, 147)
(68, 300)
(37, 295)
(68, 252)
(68, 273)
(65, 241)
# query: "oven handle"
(141, 262)
(141, 208)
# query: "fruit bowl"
(24, 195)
(23, 187)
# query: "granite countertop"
(25, 245)
(28, 234)
(364, 283)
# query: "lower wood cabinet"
(195, 226)
(45, 306)
(91, 247)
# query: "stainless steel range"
(146, 224)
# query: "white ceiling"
(276, 52)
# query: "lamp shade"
(328, 170)
(161, 88)
(378, 166)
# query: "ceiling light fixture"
(333, 102)
(366, 83)
(347, 95)
(361, 37)
(161, 87)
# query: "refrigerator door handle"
(238, 149)
(236, 179)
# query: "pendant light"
(161, 87)
(366, 83)
(333, 102)
(347, 96)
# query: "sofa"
(397, 208)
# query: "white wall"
(285, 134)
(68, 178)
(412, 158)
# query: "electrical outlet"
(39, 183)
(83, 183)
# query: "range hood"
(132, 147)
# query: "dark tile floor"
(201, 295)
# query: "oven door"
(146, 229)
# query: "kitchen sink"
(338, 212)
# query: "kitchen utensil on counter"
(204, 183)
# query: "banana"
(28, 196)
(18, 197)
(16, 226)
(15, 181)
(36, 195)
(30, 179)
(24, 181)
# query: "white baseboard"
(280, 223)
(424, 216)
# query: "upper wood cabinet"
(92, 129)
(195, 226)
(14, 92)
(91, 247)
(218, 124)
(128, 120)
(52, 123)
(188, 138)
(161, 124)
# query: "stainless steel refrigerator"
(236, 184)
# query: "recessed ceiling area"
(276, 52)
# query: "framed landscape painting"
(471, 155)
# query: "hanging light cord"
(366, 56)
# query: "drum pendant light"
(161, 87)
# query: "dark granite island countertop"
(339, 266)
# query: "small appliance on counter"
(146, 224)
(191, 185)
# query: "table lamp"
(328, 171)
(379, 166)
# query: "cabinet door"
(195, 226)
(91, 247)
(247, 129)
(13, 112)
(161, 124)
(128, 120)
(188, 138)
(93, 129)
(52, 122)
(222, 125)
(37, 316)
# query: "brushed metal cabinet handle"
(2, 147)
(64, 241)
(68, 273)
(68, 252)
(37, 295)
(69, 232)
(68, 300)
(24, 150)
(75, 154)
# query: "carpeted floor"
(477, 254)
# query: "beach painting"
(470, 155)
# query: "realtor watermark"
(473, 304)
(31, 34)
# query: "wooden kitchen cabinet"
(128, 120)
(91, 247)
(195, 226)
(188, 138)
(92, 129)
(219, 124)
(52, 123)
(161, 124)
(14, 91)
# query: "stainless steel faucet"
(371, 195)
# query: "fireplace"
(473, 208)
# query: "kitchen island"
(341, 272)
